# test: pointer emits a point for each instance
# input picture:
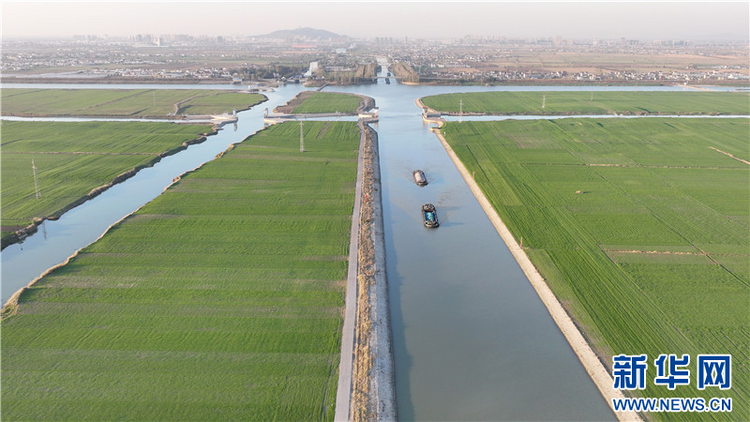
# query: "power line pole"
(460, 111)
(544, 98)
(301, 138)
(36, 182)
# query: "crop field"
(221, 299)
(73, 158)
(593, 103)
(328, 102)
(639, 226)
(123, 102)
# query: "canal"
(56, 240)
(471, 339)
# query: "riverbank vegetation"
(360, 74)
(73, 158)
(138, 103)
(639, 226)
(220, 299)
(404, 72)
(592, 103)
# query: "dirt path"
(586, 355)
(366, 390)
(730, 155)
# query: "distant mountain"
(302, 33)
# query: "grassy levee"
(593, 103)
(73, 158)
(638, 227)
(220, 300)
(328, 102)
(123, 102)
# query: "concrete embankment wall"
(586, 355)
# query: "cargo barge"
(419, 178)
(429, 216)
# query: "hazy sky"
(435, 19)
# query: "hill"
(302, 33)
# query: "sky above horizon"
(706, 20)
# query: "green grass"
(328, 102)
(123, 102)
(652, 256)
(221, 299)
(593, 103)
(72, 159)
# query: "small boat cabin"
(419, 178)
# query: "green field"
(593, 103)
(640, 229)
(72, 158)
(123, 102)
(221, 299)
(328, 102)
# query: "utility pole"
(301, 138)
(36, 182)
(460, 111)
(544, 98)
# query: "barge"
(419, 178)
(429, 216)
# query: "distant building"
(313, 69)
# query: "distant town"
(315, 56)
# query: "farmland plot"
(639, 226)
(592, 103)
(73, 158)
(221, 299)
(123, 102)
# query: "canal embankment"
(366, 374)
(594, 367)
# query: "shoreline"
(594, 367)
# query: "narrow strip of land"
(366, 379)
(732, 156)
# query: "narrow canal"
(57, 240)
(472, 341)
